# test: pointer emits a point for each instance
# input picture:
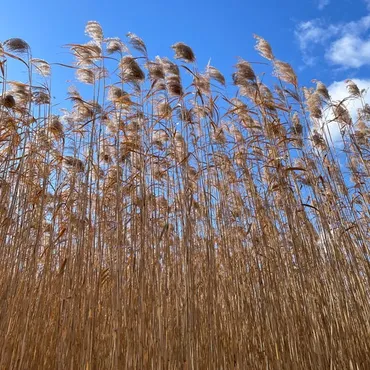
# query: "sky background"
(326, 40)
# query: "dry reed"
(153, 226)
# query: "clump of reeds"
(153, 226)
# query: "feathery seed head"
(156, 70)
(322, 90)
(94, 30)
(114, 44)
(184, 52)
(201, 82)
(215, 74)
(168, 66)
(314, 105)
(173, 84)
(74, 163)
(8, 101)
(16, 45)
(353, 88)
(42, 66)
(341, 114)
(130, 70)
(85, 75)
(244, 74)
(86, 54)
(285, 71)
(56, 128)
(137, 43)
(264, 48)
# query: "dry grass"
(159, 226)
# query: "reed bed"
(160, 221)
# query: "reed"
(159, 223)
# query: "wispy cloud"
(323, 3)
(347, 44)
(312, 33)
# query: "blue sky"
(323, 39)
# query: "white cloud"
(348, 44)
(357, 27)
(338, 92)
(349, 51)
(314, 32)
(323, 3)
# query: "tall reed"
(159, 223)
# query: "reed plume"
(167, 220)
